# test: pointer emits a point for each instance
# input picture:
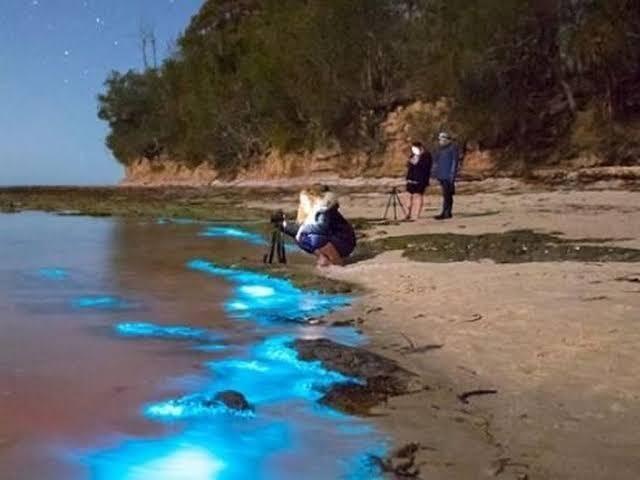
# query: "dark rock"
(401, 463)
(343, 323)
(352, 398)
(231, 399)
(380, 377)
(350, 361)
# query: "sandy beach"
(556, 340)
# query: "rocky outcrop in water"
(376, 377)
(231, 399)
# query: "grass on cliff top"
(519, 246)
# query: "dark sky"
(54, 57)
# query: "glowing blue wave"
(53, 273)
(152, 330)
(266, 299)
(245, 235)
(234, 233)
(102, 302)
(191, 406)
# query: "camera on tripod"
(277, 239)
(277, 218)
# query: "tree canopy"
(250, 75)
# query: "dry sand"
(558, 341)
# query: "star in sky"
(55, 57)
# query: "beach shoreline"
(555, 337)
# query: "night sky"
(54, 57)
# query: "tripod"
(276, 248)
(394, 200)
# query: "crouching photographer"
(320, 228)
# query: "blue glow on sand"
(152, 330)
(101, 302)
(53, 273)
(267, 299)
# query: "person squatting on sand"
(418, 173)
(445, 169)
(320, 228)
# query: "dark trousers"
(448, 190)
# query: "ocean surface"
(115, 336)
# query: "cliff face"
(398, 130)
(416, 121)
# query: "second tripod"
(394, 202)
(276, 248)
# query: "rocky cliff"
(401, 126)
(419, 121)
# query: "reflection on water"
(82, 402)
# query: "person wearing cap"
(445, 170)
(418, 173)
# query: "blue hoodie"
(445, 162)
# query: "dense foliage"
(249, 75)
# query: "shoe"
(440, 217)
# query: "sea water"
(117, 334)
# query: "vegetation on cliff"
(251, 75)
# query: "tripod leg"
(386, 210)
(395, 206)
(282, 254)
(404, 210)
(273, 246)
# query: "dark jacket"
(327, 225)
(420, 172)
(445, 162)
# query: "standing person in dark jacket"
(445, 169)
(418, 173)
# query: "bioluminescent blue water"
(248, 236)
(166, 332)
(233, 233)
(269, 373)
(102, 302)
(266, 299)
(287, 436)
(191, 406)
(53, 273)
